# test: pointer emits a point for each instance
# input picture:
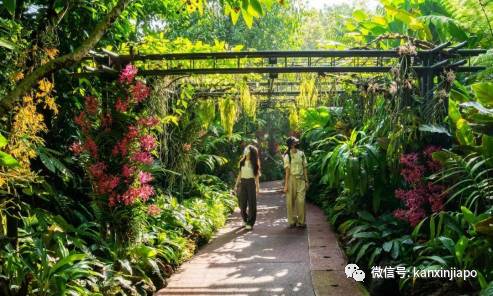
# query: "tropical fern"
(485, 60)
(210, 161)
(475, 15)
(471, 177)
(445, 27)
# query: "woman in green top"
(247, 185)
(295, 183)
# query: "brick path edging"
(327, 260)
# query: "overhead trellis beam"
(279, 62)
(219, 94)
(427, 64)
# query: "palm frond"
(471, 178)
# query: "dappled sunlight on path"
(270, 260)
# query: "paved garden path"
(270, 260)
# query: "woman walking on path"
(248, 185)
(295, 183)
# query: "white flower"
(442, 93)
(408, 49)
(450, 76)
(393, 88)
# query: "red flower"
(415, 216)
(76, 148)
(97, 170)
(82, 122)
(120, 148)
(91, 146)
(121, 106)
(145, 177)
(112, 200)
(140, 91)
(132, 132)
(413, 175)
(127, 171)
(409, 159)
(147, 142)
(107, 121)
(145, 192)
(106, 184)
(132, 194)
(430, 150)
(143, 157)
(400, 214)
(91, 105)
(128, 74)
(153, 210)
(148, 121)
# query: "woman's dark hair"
(254, 159)
(290, 142)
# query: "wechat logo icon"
(353, 271)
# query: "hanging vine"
(308, 96)
(294, 118)
(247, 100)
(206, 112)
(228, 111)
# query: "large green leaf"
(6, 44)
(10, 5)
(255, 4)
(387, 246)
(453, 110)
(363, 250)
(448, 243)
(487, 146)
(445, 25)
(464, 133)
(431, 128)
(478, 107)
(468, 215)
(487, 291)
(66, 263)
(144, 251)
(3, 141)
(396, 247)
(369, 234)
(484, 93)
(485, 227)
(360, 15)
(460, 248)
(7, 160)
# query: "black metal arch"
(426, 63)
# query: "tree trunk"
(69, 59)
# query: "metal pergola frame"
(427, 64)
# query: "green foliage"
(56, 257)
(6, 159)
(206, 112)
(228, 110)
(370, 239)
(470, 176)
(475, 16)
(248, 101)
(353, 161)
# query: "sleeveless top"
(246, 171)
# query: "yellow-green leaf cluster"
(294, 118)
(308, 96)
(248, 101)
(206, 112)
(228, 110)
